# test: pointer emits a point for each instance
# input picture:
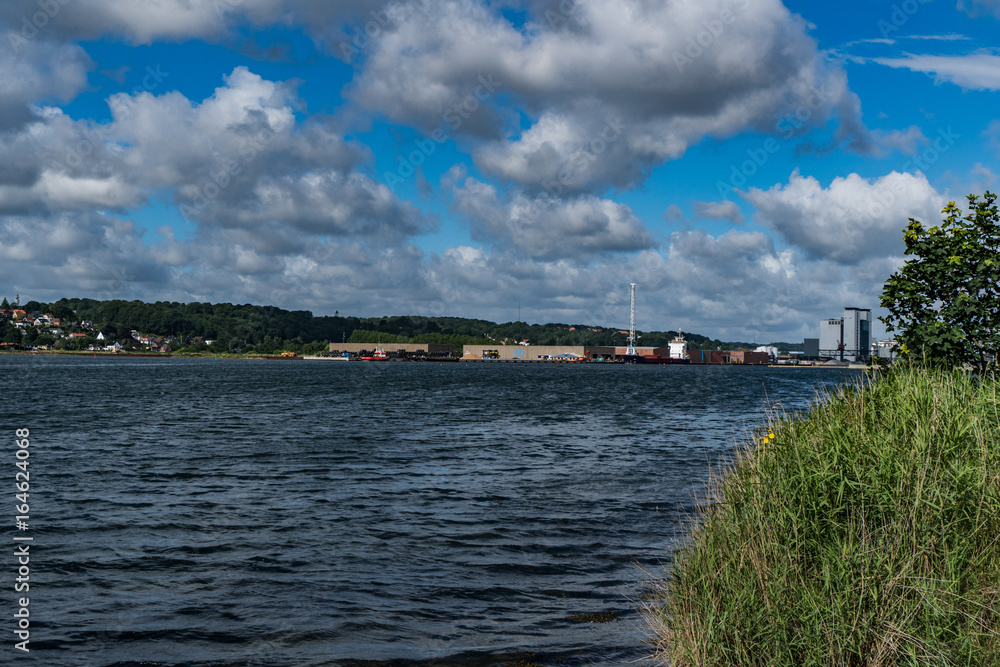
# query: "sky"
(749, 164)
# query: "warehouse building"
(541, 352)
(394, 349)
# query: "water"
(203, 512)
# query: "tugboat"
(378, 355)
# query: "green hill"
(267, 329)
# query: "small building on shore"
(543, 352)
(394, 349)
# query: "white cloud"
(976, 71)
(906, 142)
(614, 90)
(284, 210)
(90, 250)
(982, 178)
(950, 37)
(142, 22)
(719, 210)
(238, 159)
(852, 220)
(548, 229)
(35, 70)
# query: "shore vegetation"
(944, 302)
(865, 532)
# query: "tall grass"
(864, 533)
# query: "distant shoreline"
(144, 355)
(151, 355)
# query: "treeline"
(268, 329)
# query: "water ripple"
(212, 513)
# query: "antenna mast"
(631, 327)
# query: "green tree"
(45, 339)
(945, 302)
(12, 334)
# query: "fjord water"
(234, 512)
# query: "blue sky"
(748, 163)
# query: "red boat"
(378, 355)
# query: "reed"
(865, 532)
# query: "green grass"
(866, 532)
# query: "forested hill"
(268, 328)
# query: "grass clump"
(864, 533)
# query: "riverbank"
(147, 355)
(866, 532)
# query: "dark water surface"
(200, 512)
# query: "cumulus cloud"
(738, 286)
(976, 71)
(276, 207)
(554, 108)
(145, 22)
(551, 229)
(852, 220)
(238, 159)
(95, 252)
(35, 70)
(611, 90)
(719, 210)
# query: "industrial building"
(394, 349)
(885, 349)
(726, 357)
(541, 352)
(595, 353)
(847, 338)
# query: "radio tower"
(631, 327)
